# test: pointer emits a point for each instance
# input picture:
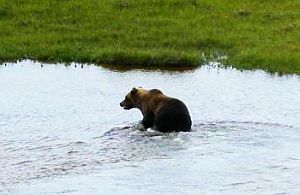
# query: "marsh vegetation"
(244, 34)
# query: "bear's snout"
(125, 105)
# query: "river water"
(62, 131)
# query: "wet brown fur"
(151, 102)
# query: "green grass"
(257, 34)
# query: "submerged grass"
(251, 34)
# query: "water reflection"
(170, 70)
(61, 128)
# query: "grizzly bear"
(160, 112)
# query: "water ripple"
(62, 125)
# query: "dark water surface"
(62, 131)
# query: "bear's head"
(133, 99)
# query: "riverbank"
(244, 34)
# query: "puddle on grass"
(62, 131)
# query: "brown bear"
(160, 112)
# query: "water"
(63, 131)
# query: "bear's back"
(172, 115)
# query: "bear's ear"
(133, 91)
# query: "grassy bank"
(251, 34)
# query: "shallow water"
(62, 131)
